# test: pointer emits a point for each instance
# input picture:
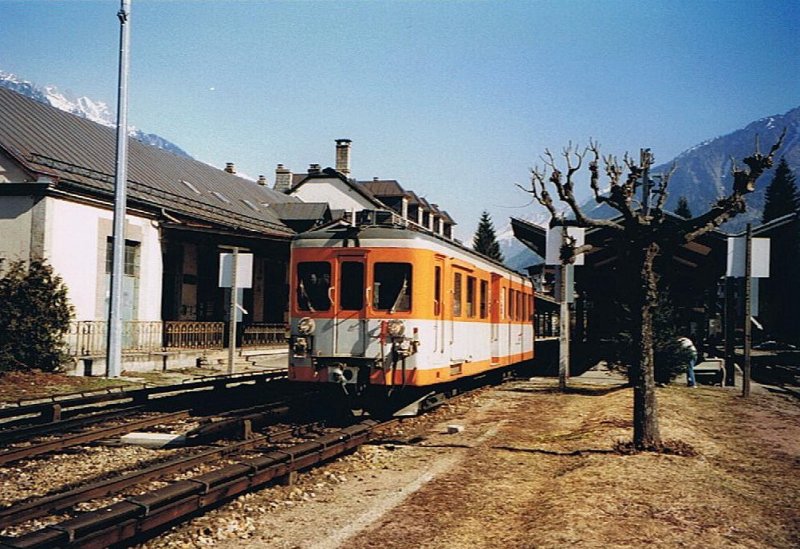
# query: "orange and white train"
(378, 307)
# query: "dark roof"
(706, 253)
(384, 188)
(446, 217)
(413, 199)
(80, 155)
(300, 210)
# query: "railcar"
(378, 307)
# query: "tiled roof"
(80, 154)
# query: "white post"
(564, 324)
(232, 314)
(114, 342)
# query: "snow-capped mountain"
(96, 111)
(703, 173)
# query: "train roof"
(335, 234)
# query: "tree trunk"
(646, 433)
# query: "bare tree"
(639, 235)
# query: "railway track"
(54, 410)
(248, 464)
(77, 439)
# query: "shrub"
(34, 317)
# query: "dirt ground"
(536, 468)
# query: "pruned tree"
(639, 234)
(485, 239)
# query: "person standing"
(689, 348)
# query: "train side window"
(437, 291)
(392, 289)
(457, 294)
(351, 286)
(313, 282)
(484, 299)
(512, 304)
(471, 296)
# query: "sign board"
(553, 250)
(244, 270)
(759, 263)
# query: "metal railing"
(89, 337)
(183, 334)
(263, 335)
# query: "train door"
(438, 307)
(350, 323)
(496, 317)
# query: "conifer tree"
(682, 209)
(35, 316)
(781, 196)
(485, 239)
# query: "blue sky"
(454, 99)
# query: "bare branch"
(662, 189)
(744, 181)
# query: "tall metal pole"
(232, 315)
(564, 323)
(114, 343)
(748, 331)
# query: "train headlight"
(396, 328)
(306, 326)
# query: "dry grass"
(16, 386)
(552, 477)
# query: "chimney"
(343, 156)
(283, 179)
(229, 167)
(314, 169)
(262, 180)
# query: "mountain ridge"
(703, 174)
(96, 111)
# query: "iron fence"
(89, 337)
(263, 335)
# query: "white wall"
(333, 191)
(75, 237)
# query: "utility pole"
(748, 331)
(233, 311)
(114, 341)
(564, 324)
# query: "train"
(379, 307)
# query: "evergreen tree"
(682, 209)
(781, 196)
(35, 317)
(485, 240)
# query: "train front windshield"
(391, 290)
(313, 283)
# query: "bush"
(34, 318)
